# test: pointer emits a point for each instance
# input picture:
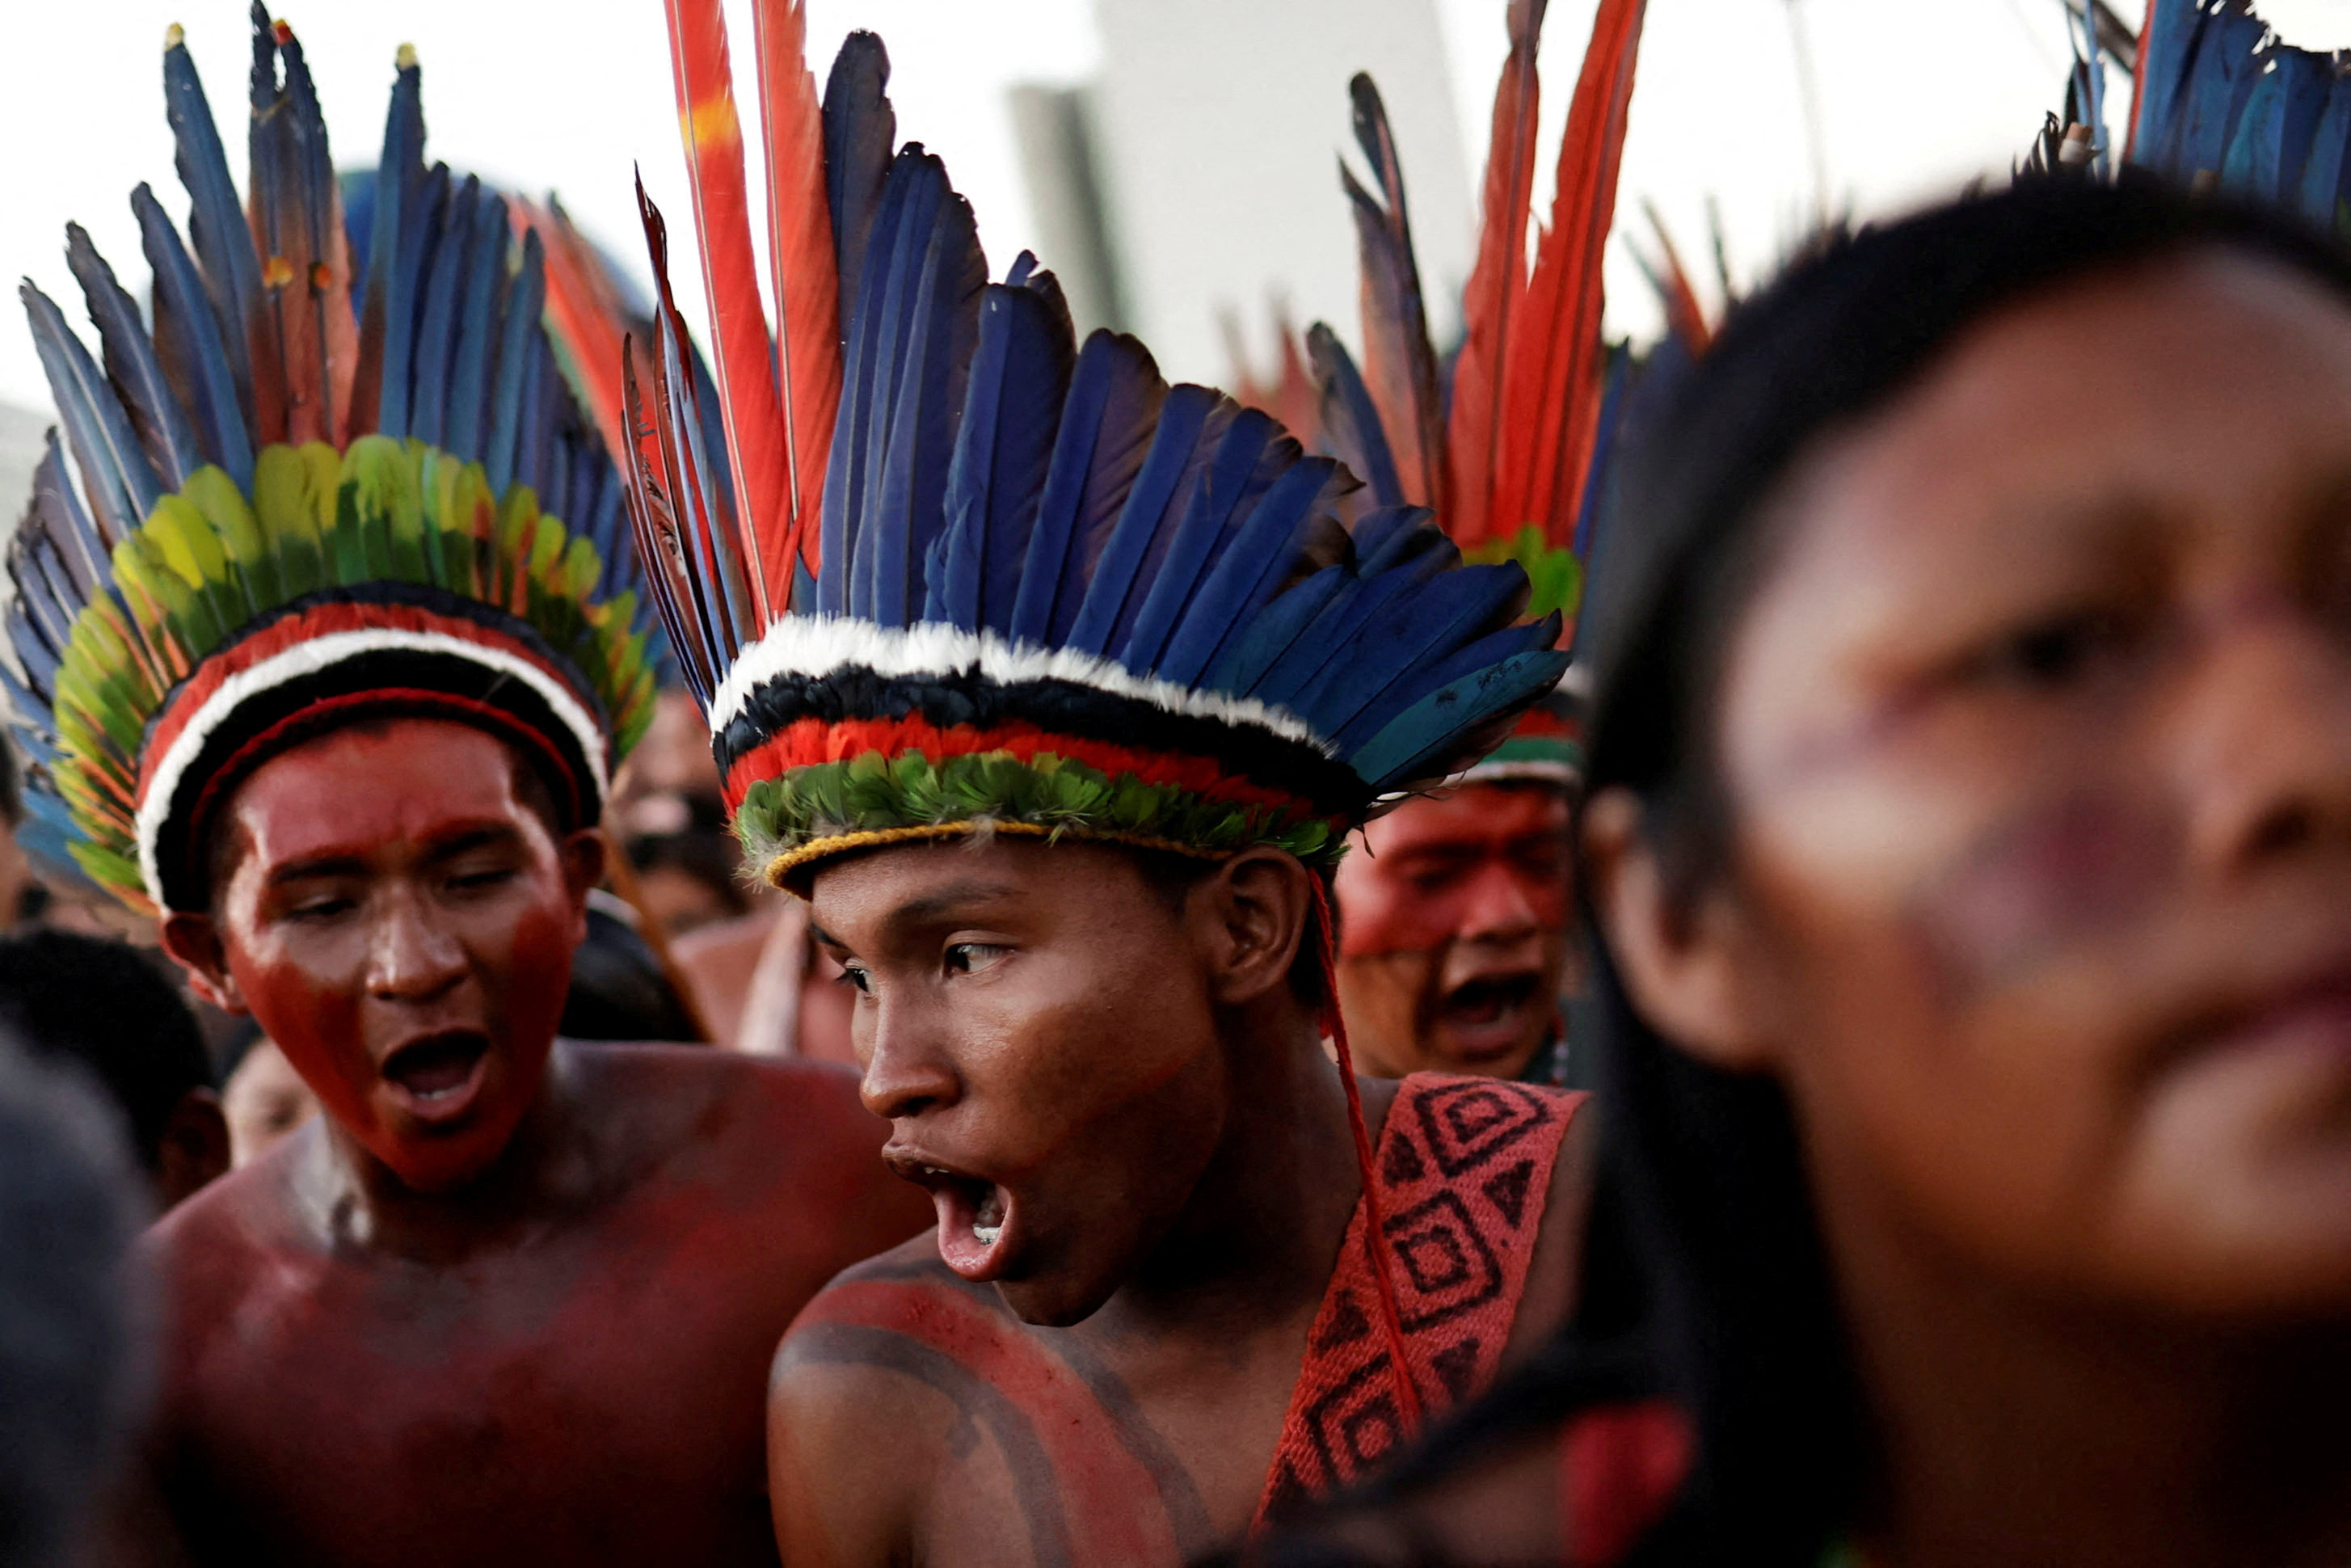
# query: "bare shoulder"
(863, 1374)
(1554, 1275)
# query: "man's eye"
(324, 908)
(971, 957)
(855, 978)
(494, 876)
(2054, 653)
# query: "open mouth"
(974, 1215)
(436, 1077)
(1488, 1015)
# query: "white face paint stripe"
(324, 653)
(819, 645)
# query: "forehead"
(2129, 384)
(403, 781)
(1003, 874)
(1475, 816)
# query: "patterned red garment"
(1464, 1167)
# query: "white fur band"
(309, 658)
(818, 645)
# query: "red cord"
(1374, 1225)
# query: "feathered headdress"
(984, 578)
(2221, 101)
(321, 486)
(1511, 459)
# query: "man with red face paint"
(1457, 918)
(342, 711)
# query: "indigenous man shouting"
(1060, 738)
(317, 682)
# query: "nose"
(412, 956)
(1497, 907)
(907, 1068)
(2265, 748)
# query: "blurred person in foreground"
(1971, 838)
(104, 1005)
(74, 1359)
(342, 711)
(262, 1096)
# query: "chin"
(1055, 1304)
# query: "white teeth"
(986, 1234)
(932, 1170)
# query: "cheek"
(307, 998)
(533, 955)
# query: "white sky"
(1917, 96)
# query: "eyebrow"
(348, 863)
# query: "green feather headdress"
(300, 503)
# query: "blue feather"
(1425, 742)
(2309, 82)
(2227, 65)
(1468, 659)
(864, 375)
(216, 223)
(1278, 628)
(1250, 457)
(424, 216)
(55, 507)
(466, 426)
(1175, 449)
(1327, 644)
(860, 133)
(188, 342)
(1019, 377)
(385, 325)
(122, 483)
(132, 367)
(941, 328)
(1408, 633)
(428, 406)
(2322, 177)
(1264, 550)
(1350, 421)
(525, 296)
(1108, 420)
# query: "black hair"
(74, 1357)
(108, 1006)
(1704, 1279)
(619, 990)
(709, 855)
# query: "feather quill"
(1399, 364)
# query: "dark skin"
(1143, 1171)
(2037, 742)
(1457, 919)
(511, 1298)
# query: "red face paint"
(1454, 931)
(400, 922)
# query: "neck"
(546, 1168)
(1254, 1245)
(2017, 1430)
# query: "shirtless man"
(1061, 755)
(510, 1300)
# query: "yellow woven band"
(815, 850)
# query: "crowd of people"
(878, 938)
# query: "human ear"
(1686, 969)
(195, 944)
(1258, 907)
(585, 854)
(194, 1146)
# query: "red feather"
(1685, 317)
(1554, 355)
(1497, 285)
(808, 287)
(739, 328)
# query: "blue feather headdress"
(1032, 587)
(309, 491)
